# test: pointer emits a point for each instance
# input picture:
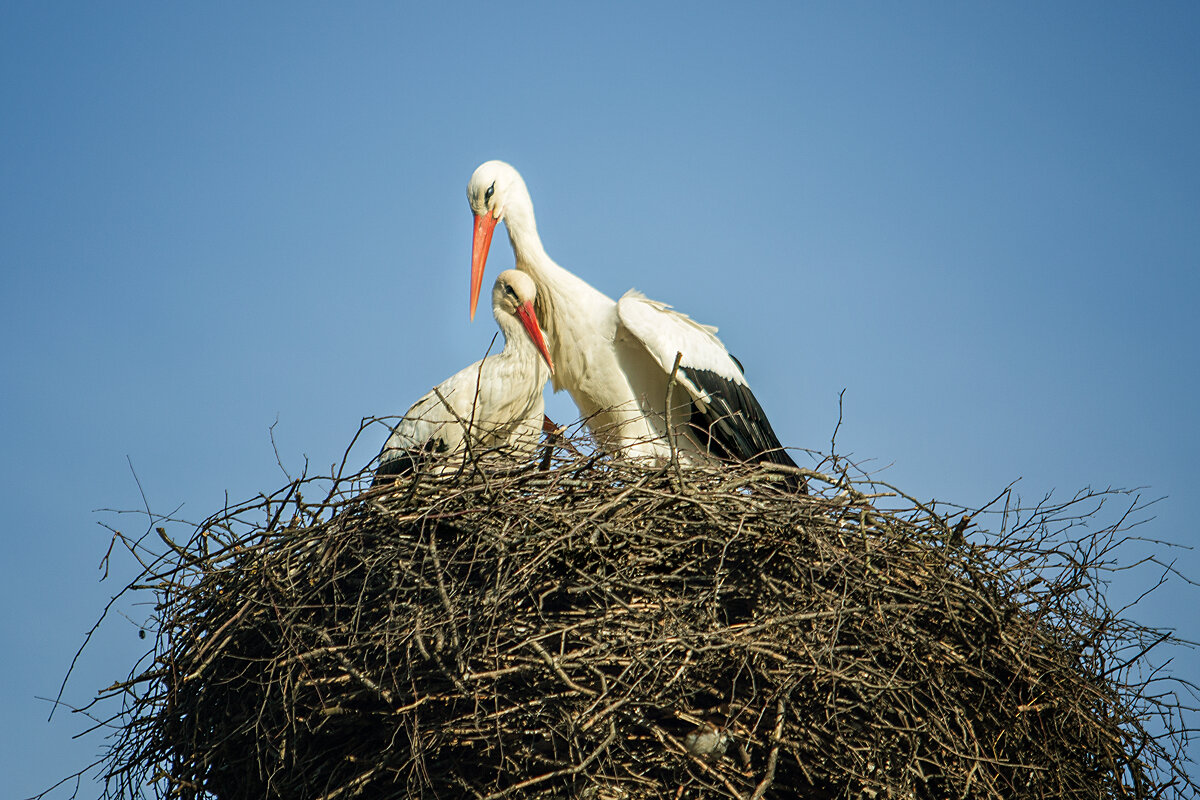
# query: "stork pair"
(618, 359)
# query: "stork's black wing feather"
(734, 425)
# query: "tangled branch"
(588, 630)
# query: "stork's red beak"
(485, 226)
(529, 320)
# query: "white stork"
(616, 358)
(499, 399)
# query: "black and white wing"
(427, 430)
(725, 417)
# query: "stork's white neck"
(522, 225)
(552, 280)
(511, 329)
(518, 347)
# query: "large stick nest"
(596, 630)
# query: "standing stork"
(618, 359)
(494, 403)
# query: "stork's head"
(513, 295)
(495, 189)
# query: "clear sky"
(980, 220)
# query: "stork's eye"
(491, 191)
(511, 293)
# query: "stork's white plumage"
(498, 399)
(616, 358)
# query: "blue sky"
(982, 221)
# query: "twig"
(671, 383)
(773, 757)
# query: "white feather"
(497, 400)
(665, 332)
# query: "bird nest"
(593, 629)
